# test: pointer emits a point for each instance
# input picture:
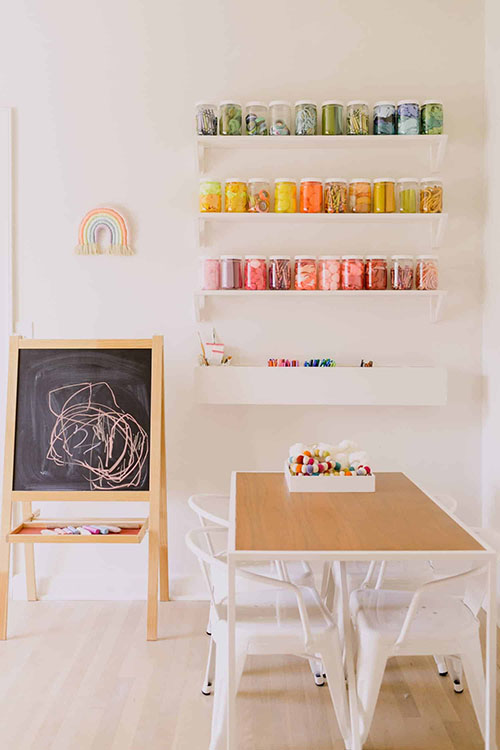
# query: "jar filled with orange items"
(305, 272)
(311, 195)
(360, 195)
(210, 195)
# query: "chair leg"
(317, 671)
(371, 662)
(209, 626)
(472, 661)
(209, 672)
(218, 739)
(441, 665)
(334, 667)
(455, 670)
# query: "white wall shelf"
(336, 386)
(434, 299)
(433, 147)
(436, 223)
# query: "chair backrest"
(211, 510)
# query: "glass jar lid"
(360, 179)
(305, 257)
(230, 257)
(256, 104)
(332, 101)
(407, 101)
(431, 179)
(329, 257)
(258, 179)
(384, 179)
(286, 179)
(377, 257)
(335, 179)
(382, 104)
(299, 102)
(432, 101)
(354, 102)
(427, 257)
(352, 257)
(280, 257)
(209, 179)
(207, 104)
(408, 179)
(255, 257)
(279, 102)
(229, 101)
(401, 257)
(311, 179)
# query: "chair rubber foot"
(443, 674)
(204, 692)
(208, 632)
(206, 689)
(457, 686)
(318, 680)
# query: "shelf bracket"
(438, 229)
(435, 307)
(199, 306)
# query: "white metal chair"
(284, 619)
(427, 621)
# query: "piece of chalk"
(114, 529)
(103, 529)
(48, 532)
(83, 531)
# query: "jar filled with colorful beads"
(332, 118)
(256, 118)
(230, 118)
(280, 116)
(431, 196)
(305, 272)
(230, 272)
(311, 195)
(259, 195)
(280, 272)
(360, 195)
(206, 119)
(255, 272)
(376, 272)
(384, 195)
(431, 118)
(408, 117)
(401, 272)
(329, 272)
(285, 195)
(236, 195)
(209, 272)
(335, 195)
(384, 118)
(210, 195)
(352, 272)
(408, 195)
(426, 272)
(306, 118)
(357, 118)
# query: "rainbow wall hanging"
(88, 233)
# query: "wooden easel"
(155, 523)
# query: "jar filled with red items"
(280, 272)
(376, 272)
(311, 195)
(426, 272)
(255, 272)
(352, 272)
(329, 272)
(305, 272)
(402, 272)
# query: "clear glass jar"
(431, 196)
(305, 272)
(230, 271)
(285, 195)
(306, 118)
(209, 272)
(311, 195)
(332, 118)
(280, 116)
(256, 118)
(259, 195)
(360, 195)
(329, 272)
(210, 195)
(280, 272)
(426, 272)
(376, 272)
(206, 119)
(236, 195)
(384, 195)
(384, 118)
(408, 195)
(431, 118)
(335, 195)
(401, 272)
(408, 117)
(255, 272)
(352, 272)
(357, 118)
(230, 118)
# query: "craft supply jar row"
(335, 195)
(326, 273)
(406, 117)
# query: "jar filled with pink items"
(209, 272)
(352, 272)
(255, 271)
(230, 272)
(426, 272)
(376, 272)
(280, 272)
(305, 272)
(402, 272)
(329, 272)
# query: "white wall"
(104, 95)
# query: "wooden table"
(396, 522)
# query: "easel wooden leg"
(29, 560)
(155, 486)
(164, 592)
(153, 575)
(4, 566)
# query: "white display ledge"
(436, 223)
(434, 299)
(432, 146)
(320, 386)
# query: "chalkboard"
(83, 420)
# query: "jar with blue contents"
(408, 117)
(384, 118)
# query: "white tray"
(329, 484)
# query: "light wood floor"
(80, 676)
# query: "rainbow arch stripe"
(109, 219)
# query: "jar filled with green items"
(229, 118)
(332, 118)
(306, 118)
(357, 118)
(256, 118)
(431, 118)
(408, 188)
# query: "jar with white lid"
(384, 118)
(306, 118)
(259, 195)
(311, 195)
(280, 272)
(229, 118)
(352, 272)
(384, 195)
(230, 271)
(431, 117)
(256, 118)
(210, 195)
(332, 118)
(426, 273)
(376, 272)
(329, 272)
(280, 116)
(408, 117)
(285, 195)
(209, 272)
(305, 272)
(357, 118)
(255, 272)
(335, 195)
(206, 118)
(401, 272)
(360, 195)
(431, 196)
(408, 195)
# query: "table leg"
(491, 650)
(231, 648)
(349, 658)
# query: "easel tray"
(132, 531)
